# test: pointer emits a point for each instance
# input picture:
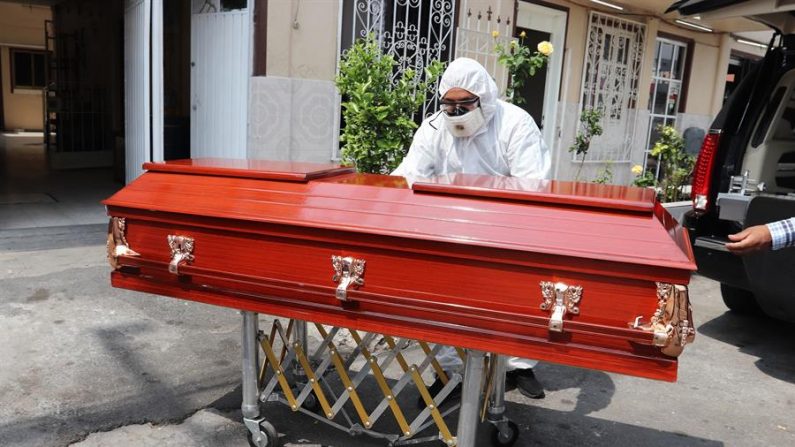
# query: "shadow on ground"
(538, 426)
(765, 338)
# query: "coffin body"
(580, 274)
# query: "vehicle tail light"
(702, 174)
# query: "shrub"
(378, 111)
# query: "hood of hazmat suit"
(508, 143)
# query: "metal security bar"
(414, 32)
(476, 39)
(613, 62)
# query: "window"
(665, 91)
(27, 69)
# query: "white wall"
(293, 110)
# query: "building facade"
(641, 67)
(21, 65)
(139, 80)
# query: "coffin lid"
(290, 171)
(610, 223)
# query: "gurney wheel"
(268, 437)
(505, 434)
(312, 403)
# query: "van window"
(784, 127)
(767, 117)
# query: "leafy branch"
(590, 122)
(378, 111)
(522, 63)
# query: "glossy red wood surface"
(255, 169)
(456, 268)
(387, 211)
(588, 195)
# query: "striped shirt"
(783, 233)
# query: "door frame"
(551, 19)
(151, 113)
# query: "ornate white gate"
(613, 62)
(475, 39)
(414, 32)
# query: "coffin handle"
(181, 252)
(348, 272)
(560, 299)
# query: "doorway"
(541, 92)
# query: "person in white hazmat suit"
(477, 133)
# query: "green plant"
(645, 180)
(591, 127)
(677, 165)
(521, 62)
(378, 111)
(605, 175)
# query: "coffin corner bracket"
(672, 322)
(117, 241)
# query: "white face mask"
(464, 125)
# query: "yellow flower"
(513, 44)
(523, 34)
(545, 48)
(637, 169)
(495, 34)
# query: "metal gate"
(219, 80)
(476, 39)
(613, 62)
(414, 32)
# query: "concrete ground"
(84, 364)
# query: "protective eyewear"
(458, 108)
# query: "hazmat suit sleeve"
(420, 162)
(528, 155)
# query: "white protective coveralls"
(508, 144)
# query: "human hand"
(750, 240)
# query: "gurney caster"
(261, 433)
(505, 433)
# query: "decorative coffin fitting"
(348, 272)
(117, 243)
(455, 260)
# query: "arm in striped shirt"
(783, 233)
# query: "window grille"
(613, 62)
(668, 72)
(475, 40)
(414, 32)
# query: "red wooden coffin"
(580, 274)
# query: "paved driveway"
(80, 361)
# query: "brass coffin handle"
(559, 299)
(181, 252)
(672, 322)
(348, 272)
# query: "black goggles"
(458, 108)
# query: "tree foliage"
(677, 165)
(378, 111)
